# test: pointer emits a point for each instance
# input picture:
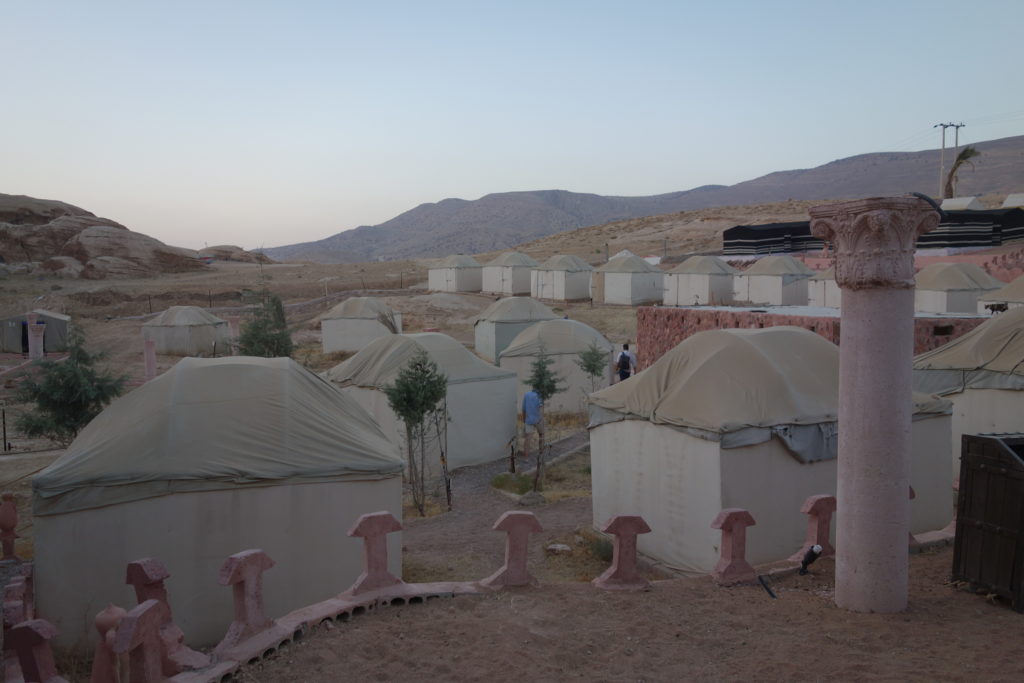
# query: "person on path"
(625, 363)
(533, 419)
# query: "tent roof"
(458, 261)
(628, 264)
(184, 316)
(946, 277)
(961, 204)
(364, 307)
(704, 265)
(566, 262)
(42, 313)
(1013, 292)
(555, 337)
(996, 345)
(379, 362)
(827, 274)
(515, 309)
(1014, 201)
(216, 424)
(727, 380)
(778, 264)
(514, 258)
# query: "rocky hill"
(502, 220)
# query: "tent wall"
(825, 293)
(454, 279)
(985, 411)
(770, 290)
(491, 338)
(576, 382)
(956, 301)
(80, 557)
(693, 289)
(55, 337)
(352, 334)
(632, 289)
(560, 285)
(507, 280)
(189, 340)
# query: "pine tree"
(266, 335)
(546, 383)
(593, 361)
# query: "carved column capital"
(874, 239)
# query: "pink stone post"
(36, 331)
(374, 528)
(105, 668)
(518, 525)
(139, 635)
(622, 575)
(874, 242)
(149, 357)
(147, 576)
(819, 510)
(732, 565)
(234, 329)
(8, 524)
(30, 640)
(244, 573)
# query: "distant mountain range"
(498, 221)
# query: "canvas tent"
(561, 278)
(509, 274)
(187, 331)
(14, 332)
(1012, 295)
(699, 280)
(562, 341)
(775, 280)
(356, 322)
(1014, 201)
(739, 418)
(982, 373)
(213, 457)
(961, 204)
(823, 291)
(481, 398)
(952, 287)
(457, 273)
(628, 280)
(499, 323)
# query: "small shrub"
(602, 549)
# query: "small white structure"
(952, 287)
(775, 280)
(187, 331)
(561, 278)
(699, 281)
(822, 290)
(498, 324)
(509, 274)
(356, 322)
(628, 280)
(1014, 201)
(982, 373)
(213, 457)
(459, 273)
(562, 341)
(14, 334)
(740, 418)
(1012, 295)
(481, 398)
(962, 204)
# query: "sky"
(269, 123)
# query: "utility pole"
(942, 155)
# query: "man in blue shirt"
(533, 419)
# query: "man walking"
(533, 419)
(625, 363)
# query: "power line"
(942, 154)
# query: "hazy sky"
(268, 123)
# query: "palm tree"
(964, 157)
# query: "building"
(561, 278)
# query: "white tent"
(481, 398)
(1012, 295)
(14, 332)
(699, 280)
(356, 322)
(823, 291)
(962, 204)
(775, 280)
(561, 278)
(740, 418)
(628, 280)
(499, 323)
(982, 373)
(562, 341)
(1014, 201)
(952, 287)
(457, 273)
(187, 331)
(213, 457)
(508, 274)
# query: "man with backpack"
(625, 363)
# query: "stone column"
(235, 331)
(36, 330)
(149, 358)
(874, 242)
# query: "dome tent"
(775, 280)
(500, 322)
(1012, 295)
(561, 278)
(952, 287)
(187, 331)
(356, 322)
(457, 273)
(699, 280)
(739, 418)
(823, 291)
(629, 280)
(562, 341)
(213, 457)
(508, 274)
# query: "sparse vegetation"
(593, 362)
(266, 334)
(962, 159)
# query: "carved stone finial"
(874, 239)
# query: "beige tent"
(823, 291)
(356, 322)
(458, 273)
(481, 398)
(14, 333)
(187, 331)
(775, 280)
(1014, 201)
(962, 204)
(211, 458)
(952, 287)
(561, 278)
(699, 280)
(509, 274)
(982, 373)
(739, 418)
(628, 280)
(1012, 295)
(498, 324)
(562, 341)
